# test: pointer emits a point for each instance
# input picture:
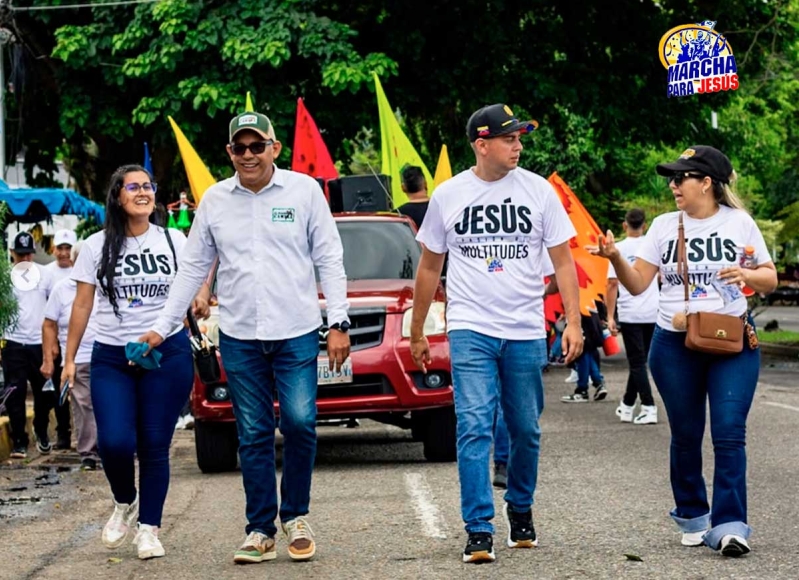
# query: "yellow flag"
(395, 148)
(443, 169)
(248, 106)
(200, 178)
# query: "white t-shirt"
(31, 303)
(711, 244)
(58, 273)
(144, 274)
(496, 234)
(635, 309)
(59, 309)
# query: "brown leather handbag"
(707, 331)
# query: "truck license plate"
(324, 376)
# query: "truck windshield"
(375, 250)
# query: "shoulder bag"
(202, 349)
(707, 331)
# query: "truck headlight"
(435, 323)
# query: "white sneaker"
(188, 422)
(180, 424)
(734, 546)
(147, 542)
(693, 539)
(647, 416)
(120, 523)
(625, 413)
(573, 377)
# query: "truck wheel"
(217, 446)
(439, 435)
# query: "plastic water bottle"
(610, 345)
(48, 386)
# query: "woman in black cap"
(724, 250)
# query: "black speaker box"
(366, 193)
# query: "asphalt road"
(380, 511)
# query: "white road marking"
(783, 406)
(424, 505)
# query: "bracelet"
(418, 338)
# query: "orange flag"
(310, 155)
(592, 271)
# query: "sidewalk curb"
(6, 445)
(779, 350)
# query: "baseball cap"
(65, 237)
(250, 121)
(701, 159)
(23, 243)
(495, 120)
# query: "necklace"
(143, 242)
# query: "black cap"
(701, 159)
(23, 243)
(495, 120)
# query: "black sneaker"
(601, 392)
(44, 446)
(479, 548)
(501, 476)
(88, 464)
(576, 397)
(19, 453)
(521, 533)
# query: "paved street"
(380, 511)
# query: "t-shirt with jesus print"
(497, 234)
(711, 244)
(144, 273)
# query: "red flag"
(310, 154)
(592, 271)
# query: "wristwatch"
(340, 326)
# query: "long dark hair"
(115, 221)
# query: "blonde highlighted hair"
(725, 194)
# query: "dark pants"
(21, 364)
(637, 338)
(62, 413)
(255, 369)
(136, 411)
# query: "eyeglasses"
(150, 187)
(678, 178)
(256, 148)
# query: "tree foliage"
(94, 84)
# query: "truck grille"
(366, 329)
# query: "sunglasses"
(256, 148)
(151, 187)
(678, 178)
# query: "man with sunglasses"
(269, 228)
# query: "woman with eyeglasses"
(719, 238)
(127, 268)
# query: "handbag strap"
(682, 259)
(194, 328)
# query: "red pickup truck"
(379, 381)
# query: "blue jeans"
(255, 368)
(588, 367)
(135, 411)
(501, 439)
(486, 370)
(688, 381)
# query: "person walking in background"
(260, 221)
(21, 356)
(496, 220)
(414, 185)
(61, 268)
(54, 335)
(127, 270)
(587, 365)
(637, 317)
(716, 227)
